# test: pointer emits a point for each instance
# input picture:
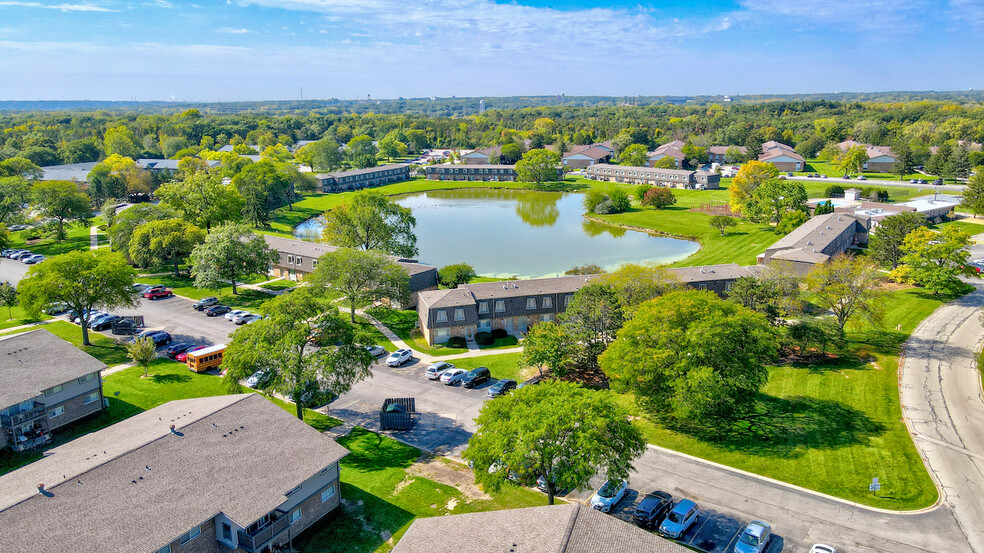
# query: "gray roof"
(37, 360)
(592, 152)
(446, 166)
(813, 237)
(648, 170)
(366, 171)
(316, 249)
(73, 171)
(135, 486)
(566, 528)
(521, 288)
(708, 273)
(446, 298)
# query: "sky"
(229, 50)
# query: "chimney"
(41, 488)
(172, 430)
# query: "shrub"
(620, 200)
(834, 190)
(659, 197)
(499, 333)
(457, 342)
(640, 192)
(484, 338)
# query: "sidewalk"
(93, 238)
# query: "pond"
(521, 233)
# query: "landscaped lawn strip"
(402, 323)
(504, 365)
(831, 170)
(380, 497)
(18, 317)
(77, 238)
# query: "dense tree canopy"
(371, 221)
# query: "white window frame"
(500, 306)
(314, 264)
(56, 412)
(296, 515)
(54, 390)
(702, 287)
(547, 302)
(531, 303)
(483, 307)
(459, 313)
(567, 299)
(86, 378)
(328, 493)
(442, 316)
(728, 285)
(290, 259)
(190, 535)
(165, 549)
(91, 398)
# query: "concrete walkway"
(116, 369)
(29, 326)
(93, 237)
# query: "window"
(728, 285)
(546, 317)
(442, 316)
(56, 412)
(192, 534)
(702, 287)
(547, 302)
(327, 493)
(53, 390)
(91, 398)
(87, 378)
(165, 549)
(500, 306)
(443, 333)
(299, 261)
(226, 531)
(295, 515)
(290, 259)
(531, 303)
(567, 299)
(483, 307)
(485, 324)
(314, 263)
(459, 314)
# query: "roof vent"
(172, 430)
(41, 488)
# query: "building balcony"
(36, 411)
(256, 540)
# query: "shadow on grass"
(786, 427)
(361, 524)
(170, 378)
(373, 452)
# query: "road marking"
(948, 445)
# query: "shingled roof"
(32, 362)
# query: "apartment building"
(204, 475)
(579, 157)
(363, 178)
(478, 173)
(719, 154)
(670, 178)
(670, 149)
(880, 158)
(817, 240)
(782, 156)
(45, 383)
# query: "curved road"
(942, 400)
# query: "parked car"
(140, 288)
(475, 377)
(201, 304)
(32, 259)
(923, 181)
(913, 181)
(77, 319)
(435, 371)
(159, 337)
(846, 177)
(609, 495)
(754, 538)
(183, 356)
(399, 357)
(21, 254)
(259, 379)
(105, 323)
(376, 351)
(217, 310)
(94, 320)
(680, 519)
(821, 548)
(651, 510)
(174, 349)
(234, 313)
(531, 382)
(789, 174)
(938, 182)
(502, 387)
(242, 318)
(6, 252)
(862, 177)
(452, 377)
(156, 293)
(823, 176)
(56, 308)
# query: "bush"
(834, 190)
(456, 342)
(499, 333)
(620, 201)
(659, 197)
(484, 338)
(640, 191)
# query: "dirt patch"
(403, 484)
(450, 473)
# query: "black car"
(475, 377)
(217, 310)
(174, 349)
(201, 304)
(502, 387)
(652, 509)
(531, 382)
(106, 322)
(159, 337)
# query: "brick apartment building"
(671, 178)
(363, 178)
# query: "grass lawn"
(965, 225)
(386, 485)
(17, 316)
(830, 428)
(829, 169)
(402, 323)
(372, 335)
(279, 285)
(501, 343)
(77, 238)
(184, 286)
(506, 365)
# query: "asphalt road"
(928, 188)
(12, 270)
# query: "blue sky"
(271, 49)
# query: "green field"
(16, 316)
(77, 238)
(831, 170)
(505, 365)
(386, 485)
(829, 428)
(403, 323)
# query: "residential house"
(45, 383)
(481, 173)
(203, 475)
(880, 158)
(782, 156)
(299, 258)
(169, 165)
(719, 154)
(670, 149)
(76, 172)
(713, 278)
(817, 240)
(566, 528)
(484, 156)
(580, 157)
(363, 178)
(671, 178)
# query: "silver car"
(234, 313)
(754, 538)
(435, 371)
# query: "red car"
(153, 293)
(183, 356)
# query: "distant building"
(719, 154)
(483, 156)
(817, 240)
(45, 383)
(482, 173)
(671, 178)
(77, 172)
(363, 178)
(782, 156)
(580, 157)
(169, 165)
(880, 158)
(670, 149)
(203, 475)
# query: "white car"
(245, 318)
(609, 495)
(376, 351)
(435, 371)
(31, 260)
(234, 313)
(821, 548)
(451, 377)
(259, 378)
(399, 357)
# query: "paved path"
(93, 237)
(942, 401)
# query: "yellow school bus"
(204, 359)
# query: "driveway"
(12, 270)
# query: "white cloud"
(888, 16)
(232, 31)
(160, 4)
(60, 7)
(970, 11)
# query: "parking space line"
(697, 532)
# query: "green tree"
(885, 244)
(360, 148)
(202, 199)
(938, 163)
(934, 260)
(142, 352)
(589, 269)
(63, 201)
(790, 221)
(824, 208)
(370, 221)
(120, 140)
(905, 161)
(127, 221)
(722, 222)
(773, 198)
(549, 345)
(8, 297)
(278, 153)
(82, 280)
(593, 318)
(775, 295)
(693, 355)
(323, 155)
(510, 153)
(108, 211)
(20, 167)
(847, 287)
(229, 252)
(636, 284)
(634, 155)
(973, 194)
(665, 162)
(14, 193)
(538, 166)
(363, 276)
(659, 197)
(455, 275)
(263, 187)
(749, 177)
(620, 201)
(281, 343)
(170, 240)
(852, 160)
(559, 431)
(80, 151)
(390, 147)
(958, 166)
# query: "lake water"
(521, 233)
